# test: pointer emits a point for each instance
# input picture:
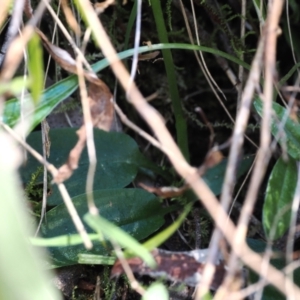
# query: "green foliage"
(283, 179)
(136, 211)
(35, 67)
(161, 237)
(31, 190)
(169, 14)
(129, 214)
(118, 155)
(279, 197)
(116, 235)
(15, 86)
(58, 92)
(214, 177)
(156, 291)
(283, 128)
(50, 98)
(181, 126)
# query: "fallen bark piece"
(182, 267)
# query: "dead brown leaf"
(101, 6)
(213, 158)
(4, 12)
(64, 59)
(100, 102)
(102, 113)
(15, 52)
(148, 56)
(101, 105)
(28, 9)
(70, 17)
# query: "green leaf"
(290, 137)
(35, 67)
(118, 159)
(136, 211)
(178, 46)
(162, 236)
(214, 177)
(115, 234)
(180, 122)
(92, 259)
(48, 101)
(64, 88)
(156, 291)
(260, 10)
(279, 196)
(62, 240)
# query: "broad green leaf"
(136, 211)
(115, 234)
(35, 67)
(279, 196)
(118, 160)
(290, 136)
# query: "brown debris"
(180, 267)
(67, 277)
(100, 102)
(101, 105)
(66, 170)
(70, 17)
(65, 60)
(213, 158)
(148, 56)
(165, 192)
(100, 7)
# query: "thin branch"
(241, 68)
(264, 152)
(88, 124)
(235, 149)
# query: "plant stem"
(181, 127)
